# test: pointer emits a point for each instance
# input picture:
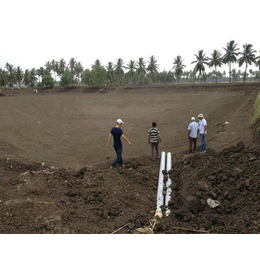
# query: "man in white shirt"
(192, 134)
(202, 132)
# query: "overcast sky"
(35, 31)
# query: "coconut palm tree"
(215, 61)
(178, 67)
(55, 68)
(247, 57)
(61, 67)
(79, 71)
(3, 78)
(26, 78)
(118, 70)
(110, 73)
(201, 61)
(152, 67)
(48, 67)
(40, 73)
(19, 75)
(231, 55)
(131, 69)
(33, 77)
(11, 74)
(72, 64)
(257, 63)
(140, 69)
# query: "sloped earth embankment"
(41, 199)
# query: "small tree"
(96, 77)
(47, 81)
(67, 79)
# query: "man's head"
(154, 124)
(119, 121)
(193, 118)
(200, 116)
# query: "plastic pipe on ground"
(168, 183)
(160, 197)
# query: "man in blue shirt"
(117, 132)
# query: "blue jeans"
(203, 143)
(119, 159)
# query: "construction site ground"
(54, 166)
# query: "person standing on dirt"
(154, 139)
(117, 132)
(202, 132)
(193, 134)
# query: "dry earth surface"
(54, 166)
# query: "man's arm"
(205, 130)
(159, 138)
(189, 134)
(149, 139)
(124, 137)
(109, 139)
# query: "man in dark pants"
(192, 134)
(117, 132)
(154, 139)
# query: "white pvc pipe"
(168, 183)
(160, 197)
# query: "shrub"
(67, 79)
(47, 81)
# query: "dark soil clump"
(40, 199)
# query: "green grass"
(256, 118)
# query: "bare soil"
(54, 165)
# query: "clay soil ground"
(54, 166)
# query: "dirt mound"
(35, 198)
(39, 199)
(230, 178)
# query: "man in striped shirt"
(154, 139)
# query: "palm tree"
(110, 73)
(19, 75)
(131, 69)
(215, 60)
(230, 55)
(40, 73)
(79, 71)
(248, 57)
(11, 74)
(3, 78)
(26, 78)
(257, 63)
(119, 67)
(61, 67)
(72, 64)
(48, 67)
(118, 70)
(178, 67)
(55, 68)
(141, 70)
(152, 66)
(33, 77)
(201, 61)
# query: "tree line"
(139, 72)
